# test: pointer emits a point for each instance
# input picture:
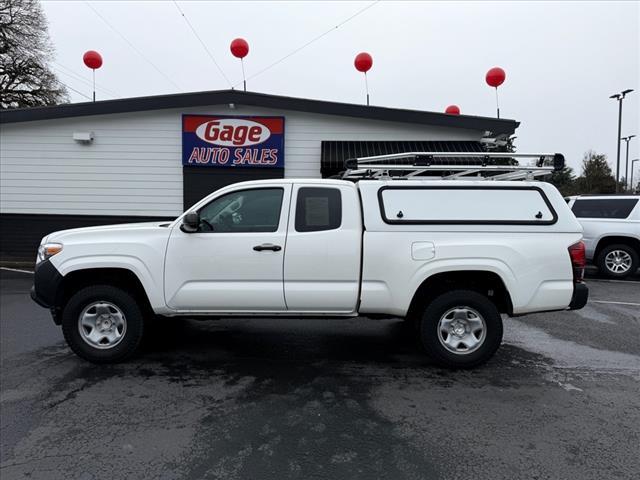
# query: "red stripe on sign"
(191, 122)
(275, 125)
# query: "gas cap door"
(423, 250)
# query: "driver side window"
(256, 210)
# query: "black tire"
(132, 334)
(602, 263)
(467, 299)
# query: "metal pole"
(632, 162)
(366, 85)
(626, 166)
(627, 139)
(618, 148)
(244, 80)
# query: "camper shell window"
(465, 205)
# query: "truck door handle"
(267, 246)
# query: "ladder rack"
(424, 166)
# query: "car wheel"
(617, 261)
(461, 329)
(102, 324)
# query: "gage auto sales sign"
(220, 141)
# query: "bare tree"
(25, 51)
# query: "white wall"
(134, 166)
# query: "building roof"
(216, 97)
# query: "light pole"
(626, 165)
(632, 162)
(619, 97)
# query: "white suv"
(611, 226)
(450, 255)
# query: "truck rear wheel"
(102, 324)
(461, 329)
(617, 261)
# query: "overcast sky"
(563, 59)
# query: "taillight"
(578, 260)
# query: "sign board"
(223, 141)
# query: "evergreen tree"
(564, 180)
(597, 176)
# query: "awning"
(334, 153)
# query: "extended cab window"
(318, 209)
(256, 210)
(604, 208)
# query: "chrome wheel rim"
(102, 325)
(462, 330)
(618, 261)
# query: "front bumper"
(40, 301)
(579, 297)
(46, 289)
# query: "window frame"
(541, 192)
(299, 209)
(282, 203)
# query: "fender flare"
(436, 267)
(153, 291)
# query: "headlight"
(48, 250)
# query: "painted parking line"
(15, 270)
(633, 304)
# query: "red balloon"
(363, 62)
(495, 77)
(92, 59)
(452, 110)
(239, 48)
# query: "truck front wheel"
(461, 329)
(102, 324)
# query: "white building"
(122, 160)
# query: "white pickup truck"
(450, 255)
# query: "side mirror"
(190, 222)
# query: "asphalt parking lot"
(274, 399)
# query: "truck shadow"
(283, 339)
(252, 342)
